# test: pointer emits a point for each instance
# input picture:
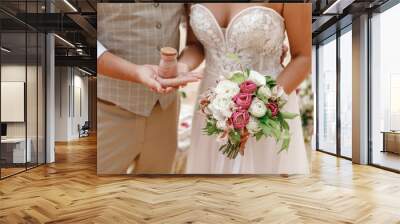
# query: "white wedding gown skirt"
(256, 35)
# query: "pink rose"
(240, 118)
(273, 107)
(243, 100)
(248, 87)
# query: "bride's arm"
(193, 54)
(298, 27)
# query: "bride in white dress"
(255, 33)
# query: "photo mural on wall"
(240, 111)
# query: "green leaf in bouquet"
(271, 83)
(247, 72)
(276, 133)
(269, 113)
(284, 125)
(288, 115)
(282, 103)
(234, 136)
(285, 141)
(263, 119)
(274, 128)
(258, 135)
(266, 129)
(238, 77)
(274, 124)
(262, 98)
(267, 79)
(211, 128)
(283, 122)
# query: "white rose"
(277, 91)
(221, 124)
(230, 75)
(227, 88)
(253, 125)
(257, 78)
(220, 107)
(264, 93)
(257, 108)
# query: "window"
(327, 96)
(346, 93)
(385, 89)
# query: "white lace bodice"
(255, 34)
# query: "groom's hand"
(183, 77)
(148, 77)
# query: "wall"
(33, 126)
(71, 102)
(17, 73)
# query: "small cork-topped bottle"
(168, 64)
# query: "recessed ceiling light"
(337, 7)
(64, 40)
(70, 5)
(84, 71)
(5, 50)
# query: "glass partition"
(327, 96)
(14, 145)
(22, 101)
(385, 89)
(346, 93)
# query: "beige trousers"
(130, 143)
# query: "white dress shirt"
(100, 49)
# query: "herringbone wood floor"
(70, 192)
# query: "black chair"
(84, 130)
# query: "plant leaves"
(211, 128)
(271, 83)
(247, 72)
(258, 135)
(263, 119)
(234, 136)
(266, 129)
(274, 124)
(288, 115)
(285, 141)
(238, 77)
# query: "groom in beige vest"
(137, 128)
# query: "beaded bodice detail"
(255, 35)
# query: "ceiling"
(332, 15)
(74, 22)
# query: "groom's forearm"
(116, 67)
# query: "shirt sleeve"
(100, 49)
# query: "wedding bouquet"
(245, 104)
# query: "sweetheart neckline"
(235, 17)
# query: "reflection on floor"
(387, 159)
(11, 169)
(69, 191)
